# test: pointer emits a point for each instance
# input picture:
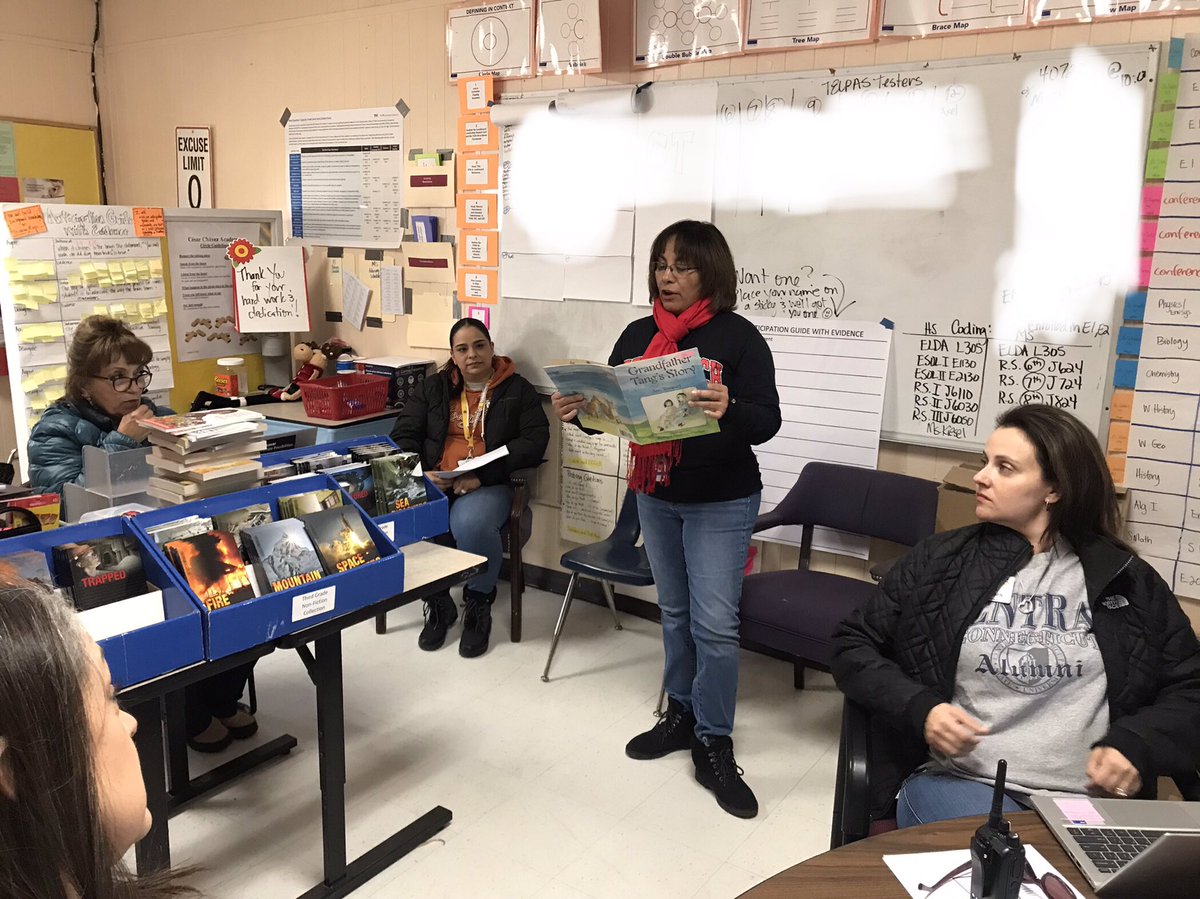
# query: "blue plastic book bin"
(429, 519)
(148, 652)
(272, 615)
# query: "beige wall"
(235, 66)
(45, 60)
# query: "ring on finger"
(1120, 791)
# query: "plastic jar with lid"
(230, 379)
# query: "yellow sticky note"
(129, 267)
(55, 393)
(105, 280)
(143, 269)
(146, 310)
(100, 309)
(160, 307)
(116, 273)
(74, 281)
(156, 268)
(50, 290)
(87, 270)
(12, 265)
(29, 384)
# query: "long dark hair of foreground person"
(52, 838)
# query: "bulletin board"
(985, 211)
(52, 151)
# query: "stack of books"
(202, 454)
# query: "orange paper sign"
(474, 94)
(477, 211)
(1121, 408)
(477, 134)
(1118, 437)
(479, 248)
(25, 222)
(148, 221)
(477, 171)
(477, 285)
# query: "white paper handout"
(391, 289)
(355, 296)
(928, 868)
(469, 465)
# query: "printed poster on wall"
(202, 291)
(491, 39)
(346, 176)
(270, 288)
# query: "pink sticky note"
(1079, 811)
(1149, 235)
(1151, 199)
(1144, 271)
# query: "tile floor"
(545, 802)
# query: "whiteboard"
(987, 210)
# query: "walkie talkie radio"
(997, 856)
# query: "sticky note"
(1121, 408)
(160, 307)
(1144, 266)
(1175, 61)
(1129, 341)
(143, 269)
(1156, 164)
(99, 309)
(1149, 235)
(1161, 124)
(148, 221)
(156, 269)
(25, 221)
(1118, 437)
(1167, 94)
(1125, 373)
(130, 270)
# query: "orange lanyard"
(467, 425)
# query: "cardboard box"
(956, 498)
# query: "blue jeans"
(697, 553)
(475, 521)
(929, 796)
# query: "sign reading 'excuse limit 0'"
(193, 155)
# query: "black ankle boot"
(717, 770)
(477, 623)
(673, 733)
(440, 613)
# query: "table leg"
(153, 851)
(178, 772)
(331, 746)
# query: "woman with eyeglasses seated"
(104, 406)
(698, 499)
(1037, 636)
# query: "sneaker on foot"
(477, 623)
(673, 733)
(717, 770)
(440, 613)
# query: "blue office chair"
(617, 559)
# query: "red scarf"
(651, 465)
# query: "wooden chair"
(520, 522)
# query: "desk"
(377, 424)
(857, 870)
(428, 569)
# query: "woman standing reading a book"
(698, 498)
(72, 799)
(107, 375)
(475, 404)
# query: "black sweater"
(514, 419)
(719, 467)
(898, 655)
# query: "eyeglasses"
(677, 270)
(123, 384)
(1051, 885)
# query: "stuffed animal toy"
(312, 365)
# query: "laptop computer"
(1128, 847)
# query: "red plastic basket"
(344, 396)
